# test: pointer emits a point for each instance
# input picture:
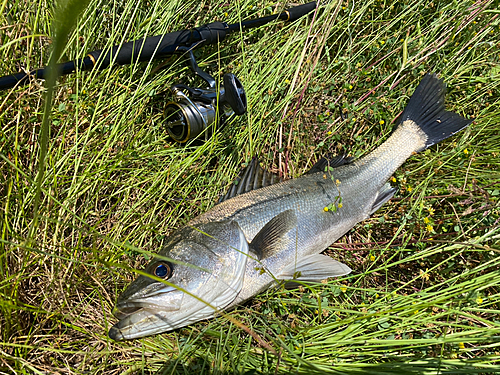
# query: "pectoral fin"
(271, 237)
(314, 268)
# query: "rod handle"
(296, 12)
(159, 45)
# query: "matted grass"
(423, 296)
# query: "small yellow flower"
(287, 81)
(225, 14)
(343, 289)
(354, 119)
(325, 209)
(372, 258)
(429, 228)
(329, 133)
(410, 189)
(376, 295)
(479, 300)
(427, 220)
(350, 87)
(466, 152)
(339, 205)
(424, 275)
(393, 179)
(415, 312)
(461, 345)
(431, 211)
(381, 122)
(382, 42)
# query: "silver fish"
(248, 242)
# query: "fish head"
(204, 273)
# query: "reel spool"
(194, 110)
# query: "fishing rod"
(193, 110)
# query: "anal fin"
(315, 267)
(384, 194)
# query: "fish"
(266, 231)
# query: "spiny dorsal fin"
(271, 237)
(253, 177)
(334, 162)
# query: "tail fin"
(426, 109)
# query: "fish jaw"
(212, 262)
(142, 322)
(144, 317)
(140, 314)
(136, 322)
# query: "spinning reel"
(195, 110)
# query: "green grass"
(424, 293)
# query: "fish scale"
(276, 232)
(358, 184)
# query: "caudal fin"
(426, 109)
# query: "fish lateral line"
(268, 214)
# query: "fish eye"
(163, 270)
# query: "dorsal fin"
(251, 178)
(334, 162)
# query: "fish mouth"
(137, 321)
(126, 309)
(130, 319)
(122, 312)
(142, 317)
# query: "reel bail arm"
(202, 110)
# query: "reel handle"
(234, 94)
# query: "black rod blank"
(155, 47)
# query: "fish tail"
(426, 110)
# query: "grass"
(424, 294)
